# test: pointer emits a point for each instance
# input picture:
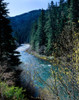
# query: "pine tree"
(51, 27)
(62, 15)
(40, 34)
(58, 19)
(49, 35)
(68, 2)
(73, 12)
(33, 34)
(61, 2)
(76, 12)
(7, 42)
(70, 13)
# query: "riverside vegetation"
(8, 59)
(56, 35)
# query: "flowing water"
(35, 70)
(38, 73)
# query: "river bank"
(9, 79)
(46, 76)
(35, 72)
(26, 80)
(63, 60)
(40, 56)
(55, 61)
(27, 48)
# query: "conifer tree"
(40, 34)
(7, 42)
(48, 31)
(51, 27)
(58, 23)
(62, 15)
(33, 34)
(68, 2)
(73, 12)
(76, 12)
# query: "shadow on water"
(33, 68)
(39, 75)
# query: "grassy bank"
(44, 57)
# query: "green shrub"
(12, 93)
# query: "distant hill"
(22, 24)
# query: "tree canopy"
(7, 42)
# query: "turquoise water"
(35, 68)
(38, 72)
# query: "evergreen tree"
(48, 30)
(7, 42)
(68, 2)
(58, 19)
(70, 12)
(61, 2)
(73, 12)
(51, 27)
(62, 15)
(33, 34)
(40, 34)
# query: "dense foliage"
(11, 93)
(61, 40)
(7, 42)
(53, 25)
(55, 34)
(8, 58)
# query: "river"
(38, 73)
(34, 69)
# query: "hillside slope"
(22, 24)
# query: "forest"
(20, 24)
(54, 36)
(52, 33)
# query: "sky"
(17, 7)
